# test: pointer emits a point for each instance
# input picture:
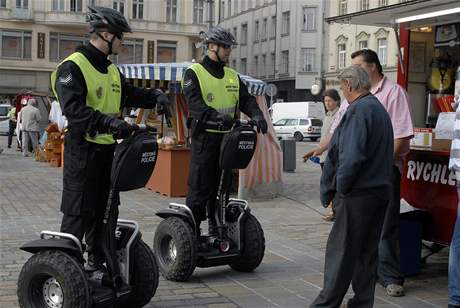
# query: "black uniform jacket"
(71, 90)
(198, 108)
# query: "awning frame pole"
(398, 42)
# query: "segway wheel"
(253, 246)
(53, 279)
(175, 249)
(143, 276)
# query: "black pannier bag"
(237, 148)
(134, 161)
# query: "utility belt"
(197, 127)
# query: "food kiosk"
(428, 34)
(261, 177)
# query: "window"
(57, 5)
(316, 122)
(243, 66)
(304, 122)
(284, 62)
(119, 6)
(16, 44)
(308, 60)
(281, 122)
(244, 34)
(272, 64)
(263, 68)
(285, 23)
(3, 3)
(383, 2)
(364, 5)
(235, 32)
(198, 9)
(309, 18)
(75, 5)
(362, 45)
(382, 48)
(22, 4)
(342, 7)
(229, 8)
(256, 31)
(263, 35)
(138, 9)
(62, 45)
(132, 52)
(273, 27)
(222, 10)
(342, 55)
(291, 122)
(166, 51)
(256, 66)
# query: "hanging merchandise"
(442, 75)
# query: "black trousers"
(352, 248)
(204, 175)
(11, 128)
(389, 252)
(87, 169)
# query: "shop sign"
(41, 45)
(151, 52)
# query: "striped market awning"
(175, 71)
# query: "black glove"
(162, 101)
(119, 128)
(261, 123)
(225, 120)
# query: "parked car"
(4, 122)
(298, 128)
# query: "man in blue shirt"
(357, 175)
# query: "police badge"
(210, 97)
(99, 92)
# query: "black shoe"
(9, 147)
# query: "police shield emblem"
(210, 97)
(99, 92)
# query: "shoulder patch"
(65, 80)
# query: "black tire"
(143, 276)
(298, 136)
(314, 138)
(53, 277)
(253, 246)
(175, 249)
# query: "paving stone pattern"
(291, 272)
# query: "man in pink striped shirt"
(395, 100)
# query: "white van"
(298, 128)
(301, 110)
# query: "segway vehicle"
(55, 277)
(180, 246)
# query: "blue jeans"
(454, 261)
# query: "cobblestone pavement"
(291, 272)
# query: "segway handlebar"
(219, 125)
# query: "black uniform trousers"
(87, 169)
(352, 250)
(389, 252)
(204, 174)
(11, 128)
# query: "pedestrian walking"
(357, 176)
(30, 119)
(11, 125)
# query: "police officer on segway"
(214, 92)
(92, 92)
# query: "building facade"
(35, 35)
(343, 40)
(280, 42)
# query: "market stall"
(428, 34)
(263, 175)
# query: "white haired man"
(357, 175)
(30, 119)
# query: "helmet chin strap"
(109, 43)
(216, 52)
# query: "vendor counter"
(428, 184)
